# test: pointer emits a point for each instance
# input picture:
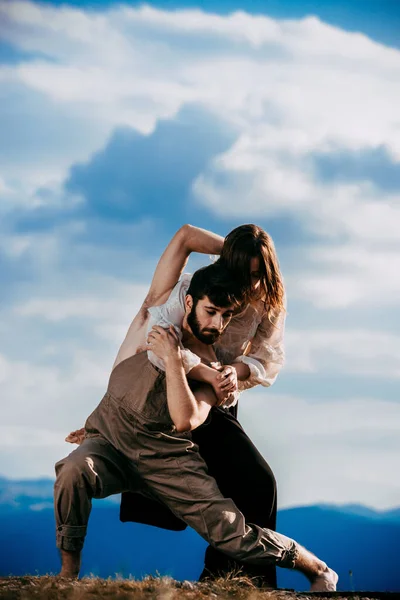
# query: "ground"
(162, 588)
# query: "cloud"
(341, 451)
(128, 64)
(369, 164)
(294, 95)
(120, 305)
(118, 126)
(355, 352)
(40, 139)
(347, 275)
(278, 183)
(42, 404)
(138, 176)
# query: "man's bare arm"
(187, 410)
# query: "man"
(139, 439)
(232, 459)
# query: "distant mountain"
(364, 511)
(347, 541)
(350, 538)
(393, 514)
(31, 494)
(26, 493)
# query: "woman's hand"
(227, 378)
(76, 437)
(224, 383)
(164, 342)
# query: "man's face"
(208, 321)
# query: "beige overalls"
(131, 445)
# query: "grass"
(157, 588)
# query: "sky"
(121, 122)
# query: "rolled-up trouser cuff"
(289, 558)
(70, 537)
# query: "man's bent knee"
(75, 471)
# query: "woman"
(253, 344)
(252, 352)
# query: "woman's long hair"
(240, 246)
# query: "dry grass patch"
(150, 588)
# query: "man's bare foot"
(325, 582)
(320, 576)
(70, 564)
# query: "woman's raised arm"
(168, 271)
(187, 239)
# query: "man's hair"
(215, 282)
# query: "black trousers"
(241, 474)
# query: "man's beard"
(207, 336)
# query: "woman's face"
(255, 274)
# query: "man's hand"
(224, 383)
(164, 342)
(76, 437)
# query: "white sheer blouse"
(249, 338)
